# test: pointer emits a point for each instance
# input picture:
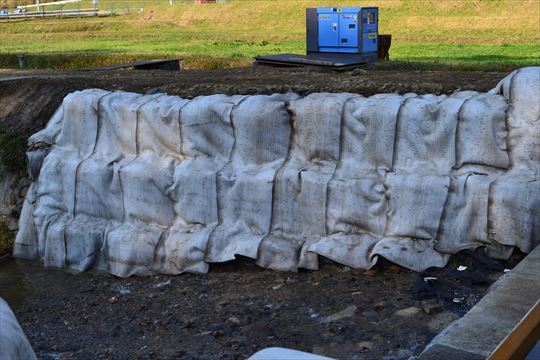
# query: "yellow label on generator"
(372, 36)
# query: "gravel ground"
(230, 313)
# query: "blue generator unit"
(347, 30)
(339, 38)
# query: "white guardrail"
(38, 4)
(53, 13)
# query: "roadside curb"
(478, 333)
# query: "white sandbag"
(464, 221)
(183, 248)
(481, 133)
(514, 211)
(515, 197)
(206, 146)
(84, 242)
(80, 124)
(144, 182)
(13, 343)
(416, 203)
(98, 186)
(357, 204)
(413, 254)
(425, 135)
(369, 130)
(158, 127)
(26, 240)
(262, 134)
(356, 193)
(353, 250)
(300, 187)
(522, 90)
(73, 132)
(146, 179)
(131, 248)
(54, 203)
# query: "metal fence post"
(22, 61)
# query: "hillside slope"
(484, 34)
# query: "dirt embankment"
(28, 99)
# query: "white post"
(37, 3)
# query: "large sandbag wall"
(135, 184)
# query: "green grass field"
(475, 34)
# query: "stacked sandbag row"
(135, 184)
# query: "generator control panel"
(351, 30)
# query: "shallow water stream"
(22, 281)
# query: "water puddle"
(22, 280)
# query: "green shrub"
(12, 152)
(7, 238)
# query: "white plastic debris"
(276, 353)
(162, 284)
(461, 268)
(348, 312)
(122, 290)
(139, 185)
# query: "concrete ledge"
(478, 333)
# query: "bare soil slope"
(28, 99)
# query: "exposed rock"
(348, 312)
(408, 312)
(442, 320)
(365, 345)
(432, 307)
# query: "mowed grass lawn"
(473, 34)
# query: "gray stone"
(408, 312)
(348, 312)
(442, 320)
(431, 307)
